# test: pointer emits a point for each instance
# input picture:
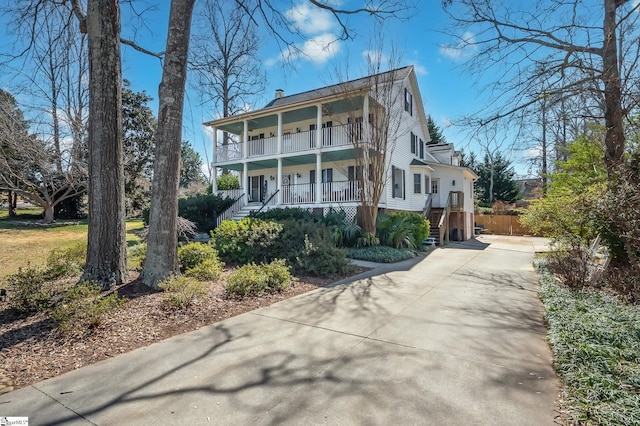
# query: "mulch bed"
(32, 349)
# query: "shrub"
(380, 254)
(322, 259)
(200, 261)
(335, 217)
(29, 290)
(203, 209)
(347, 234)
(367, 240)
(247, 240)
(290, 242)
(253, 279)
(207, 270)
(288, 213)
(571, 266)
(181, 292)
(66, 262)
(227, 182)
(82, 309)
(136, 256)
(402, 229)
(193, 254)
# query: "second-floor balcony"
(336, 136)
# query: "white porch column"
(279, 136)
(319, 126)
(279, 182)
(366, 126)
(319, 178)
(214, 159)
(245, 139)
(245, 179)
(214, 180)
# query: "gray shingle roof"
(353, 85)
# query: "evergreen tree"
(138, 126)
(496, 180)
(435, 132)
(190, 166)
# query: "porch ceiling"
(296, 115)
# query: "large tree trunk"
(13, 203)
(106, 250)
(48, 214)
(162, 242)
(614, 138)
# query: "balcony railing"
(291, 142)
(332, 192)
(264, 146)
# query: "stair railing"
(232, 210)
(443, 225)
(268, 202)
(426, 210)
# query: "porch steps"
(247, 210)
(434, 218)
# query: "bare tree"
(374, 126)
(28, 164)
(225, 59)
(572, 47)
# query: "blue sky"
(447, 92)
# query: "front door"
(256, 188)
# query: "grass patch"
(24, 244)
(381, 254)
(595, 340)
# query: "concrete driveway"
(453, 339)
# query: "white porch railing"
(332, 192)
(229, 152)
(291, 142)
(300, 193)
(341, 191)
(336, 136)
(231, 193)
(265, 146)
(301, 141)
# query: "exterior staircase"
(247, 210)
(434, 219)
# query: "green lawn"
(25, 243)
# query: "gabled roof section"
(335, 90)
(349, 86)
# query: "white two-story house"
(299, 151)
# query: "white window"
(397, 182)
(417, 183)
(408, 102)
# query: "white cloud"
(318, 50)
(420, 69)
(309, 19)
(465, 47)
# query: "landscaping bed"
(32, 349)
(595, 340)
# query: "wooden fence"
(501, 224)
